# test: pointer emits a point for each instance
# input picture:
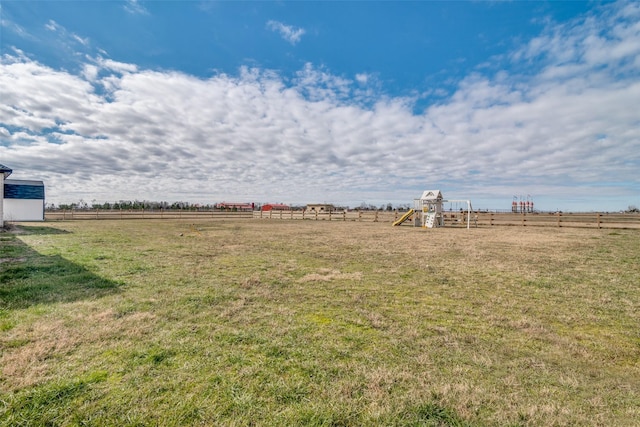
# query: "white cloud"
(13, 27)
(362, 78)
(119, 67)
(135, 8)
(52, 26)
(90, 72)
(66, 38)
(318, 84)
(606, 39)
(82, 40)
(119, 132)
(288, 32)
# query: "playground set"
(428, 211)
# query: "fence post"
(344, 215)
(598, 219)
(558, 218)
(524, 220)
(329, 214)
(375, 218)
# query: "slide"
(404, 217)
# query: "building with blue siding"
(23, 200)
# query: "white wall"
(1, 199)
(23, 210)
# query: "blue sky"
(338, 102)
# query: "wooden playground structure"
(429, 211)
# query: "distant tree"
(633, 209)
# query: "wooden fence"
(452, 219)
(100, 214)
(583, 220)
(478, 219)
(358, 216)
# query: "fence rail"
(452, 219)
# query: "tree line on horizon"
(128, 205)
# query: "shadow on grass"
(36, 230)
(29, 278)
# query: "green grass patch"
(31, 278)
(50, 403)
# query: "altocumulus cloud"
(116, 131)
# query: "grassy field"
(289, 323)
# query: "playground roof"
(431, 195)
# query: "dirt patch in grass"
(326, 275)
(18, 259)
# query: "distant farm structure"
(320, 207)
(275, 207)
(522, 204)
